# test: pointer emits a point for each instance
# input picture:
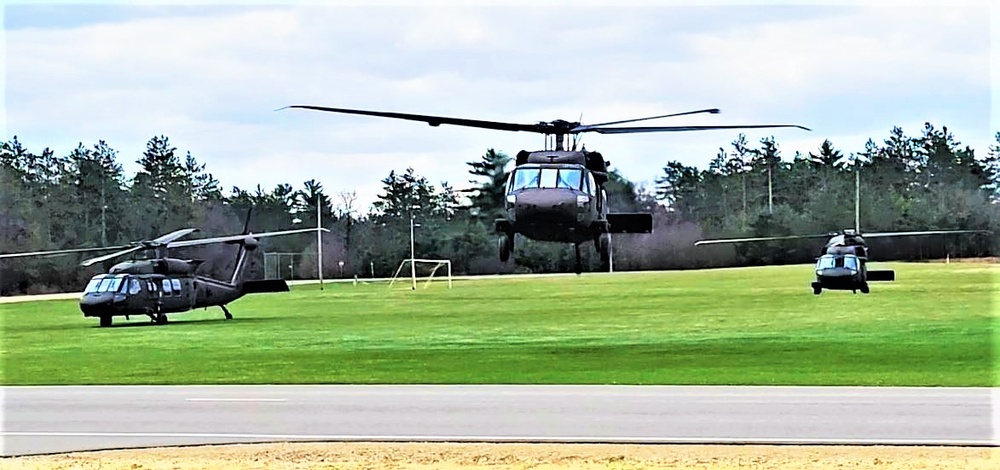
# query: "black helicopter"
(162, 285)
(557, 194)
(843, 261)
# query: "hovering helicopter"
(160, 285)
(557, 194)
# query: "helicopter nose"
(97, 303)
(546, 204)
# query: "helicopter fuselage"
(553, 202)
(559, 196)
(843, 265)
(161, 286)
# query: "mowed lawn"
(934, 326)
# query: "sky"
(212, 78)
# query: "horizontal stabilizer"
(267, 285)
(882, 275)
(630, 222)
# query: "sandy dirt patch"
(518, 456)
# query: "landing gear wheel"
(161, 319)
(864, 288)
(817, 290)
(604, 247)
(578, 266)
(106, 321)
(506, 245)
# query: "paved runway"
(59, 419)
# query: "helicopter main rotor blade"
(924, 232)
(61, 252)
(164, 239)
(686, 113)
(634, 130)
(233, 238)
(758, 239)
(116, 254)
(143, 245)
(434, 120)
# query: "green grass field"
(934, 326)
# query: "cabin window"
(176, 283)
(104, 284)
(133, 286)
(166, 287)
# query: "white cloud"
(211, 79)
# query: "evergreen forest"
(908, 182)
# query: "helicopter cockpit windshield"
(533, 177)
(837, 261)
(105, 283)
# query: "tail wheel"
(505, 246)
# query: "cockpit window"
(834, 261)
(104, 284)
(525, 178)
(92, 285)
(567, 178)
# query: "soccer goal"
(421, 268)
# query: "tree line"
(85, 199)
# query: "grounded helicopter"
(843, 261)
(842, 264)
(162, 285)
(558, 195)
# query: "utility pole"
(413, 266)
(770, 194)
(104, 227)
(319, 241)
(857, 197)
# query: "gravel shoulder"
(517, 456)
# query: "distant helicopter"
(843, 261)
(842, 264)
(558, 195)
(162, 285)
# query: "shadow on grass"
(187, 323)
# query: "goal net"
(420, 269)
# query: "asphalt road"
(60, 419)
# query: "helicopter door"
(152, 292)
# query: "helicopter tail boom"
(267, 285)
(881, 275)
(630, 222)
